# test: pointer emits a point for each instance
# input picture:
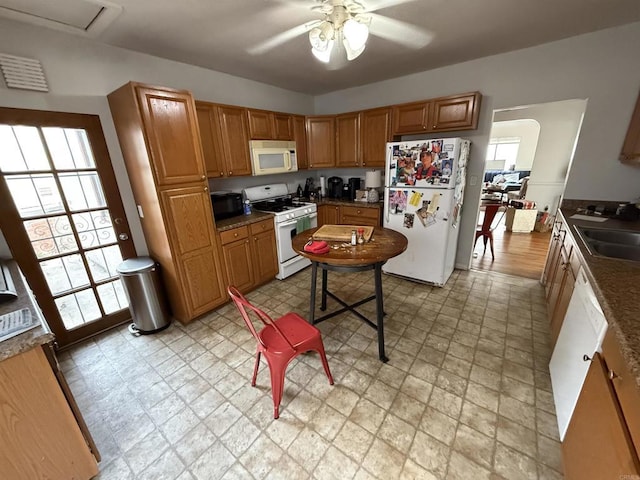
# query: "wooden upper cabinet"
(234, 132)
(458, 112)
(172, 135)
(266, 125)
(375, 132)
(411, 118)
(445, 114)
(210, 139)
(321, 141)
(283, 126)
(261, 125)
(631, 146)
(300, 136)
(348, 140)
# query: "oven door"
(285, 231)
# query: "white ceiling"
(217, 34)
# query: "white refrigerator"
(424, 189)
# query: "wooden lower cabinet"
(348, 215)
(39, 434)
(597, 443)
(250, 255)
(360, 216)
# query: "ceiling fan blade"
(399, 32)
(375, 5)
(281, 38)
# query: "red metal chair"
(280, 341)
(485, 231)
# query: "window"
(502, 153)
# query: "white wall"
(559, 124)
(526, 130)
(602, 67)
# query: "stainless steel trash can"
(147, 302)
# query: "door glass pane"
(64, 273)
(51, 236)
(94, 228)
(112, 296)
(35, 194)
(82, 190)
(32, 148)
(103, 262)
(11, 159)
(69, 148)
(78, 308)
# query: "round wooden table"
(343, 257)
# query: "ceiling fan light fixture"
(324, 54)
(355, 34)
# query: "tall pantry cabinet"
(160, 141)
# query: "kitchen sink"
(622, 244)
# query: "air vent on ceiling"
(23, 73)
(82, 17)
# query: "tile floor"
(466, 393)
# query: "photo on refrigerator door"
(417, 164)
(398, 201)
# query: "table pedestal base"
(378, 326)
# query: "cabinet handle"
(359, 212)
(612, 374)
(433, 127)
(424, 127)
(204, 177)
(230, 173)
(206, 188)
(222, 174)
(586, 358)
(235, 234)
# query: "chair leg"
(491, 245)
(484, 239)
(255, 369)
(325, 364)
(277, 386)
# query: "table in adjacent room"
(343, 257)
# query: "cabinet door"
(203, 280)
(260, 124)
(172, 135)
(237, 260)
(300, 136)
(360, 216)
(283, 126)
(556, 281)
(321, 141)
(459, 112)
(411, 118)
(234, 133)
(348, 140)
(265, 255)
(597, 443)
(328, 215)
(210, 139)
(375, 132)
(631, 146)
(565, 291)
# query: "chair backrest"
(523, 187)
(489, 214)
(244, 307)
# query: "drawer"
(229, 236)
(624, 385)
(366, 216)
(261, 226)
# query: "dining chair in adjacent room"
(485, 231)
(280, 341)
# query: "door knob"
(118, 221)
(123, 236)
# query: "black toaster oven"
(226, 204)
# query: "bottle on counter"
(247, 207)
(353, 237)
(361, 236)
(299, 191)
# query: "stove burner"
(277, 205)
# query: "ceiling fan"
(346, 25)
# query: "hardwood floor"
(521, 254)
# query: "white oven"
(287, 217)
(290, 261)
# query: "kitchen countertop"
(616, 284)
(348, 203)
(34, 337)
(241, 220)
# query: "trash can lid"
(136, 265)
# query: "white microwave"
(272, 156)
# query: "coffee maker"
(353, 185)
(334, 187)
